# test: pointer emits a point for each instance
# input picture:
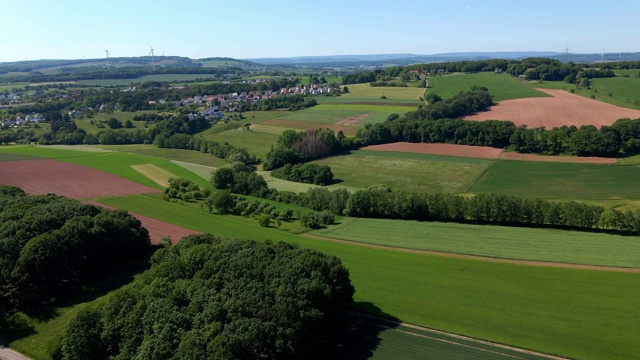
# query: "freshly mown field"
(620, 91)
(501, 86)
(505, 242)
(561, 181)
(405, 171)
(576, 313)
(117, 163)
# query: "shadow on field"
(363, 336)
(21, 324)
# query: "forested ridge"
(213, 298)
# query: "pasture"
(367, 93)
(504, 242)
(405, 171)
(501, 86)
(342, 115)
(561, 180)
(297, 187)
(625, 91)
(188, 156)
(256, 142)
(576, 313)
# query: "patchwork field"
(482, 152)
(501, 86)
(157, 174)
(405, 171)
(547, 245)
(561, 180)
(256, 142)
(563, 108)
(329, 114)
(278, 126)
(77, 182)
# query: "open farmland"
(64, 179)
(561, 180)
(504, 242)
(501, 86)
(366, 94)
(143, 79)
(482, 152)
(405, 171)
(334, 115)
(507, 155)
(511, 304)
(256, 142)
(563, 108)
(277, 126)
(190, 156)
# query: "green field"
(189, 156)
(501, 86)
(576, 313)
(561, 181)
(256, 142)
(117, 163)
(297, 187)
(405, 171)
(143, 79)
(333, 113)
(505, 242)
(624, 90)
(358, 92)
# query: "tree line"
(51, 244)
(489, 208)
(307, 173)
(208, 297)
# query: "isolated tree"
(223, 201)
(222, 179)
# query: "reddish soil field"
(308, 125)
(564, 159)
(157, 229)
(64, 179)
(482, 152)
(563, 108)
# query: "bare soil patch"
(482, 258)
(353, 120)
(308, 125)
(64, 179)
(157, 229)
(563, 108)
(482, 152)
(563, 159)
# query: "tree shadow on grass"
(366, 324)
(20, 324)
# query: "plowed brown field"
(482, 152)
(563, 108)
(64, 179)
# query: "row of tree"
(51, 244)
(208, 297)
(382, 202)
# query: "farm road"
(477, 257)
(8, 354)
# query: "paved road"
(8, 354)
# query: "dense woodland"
(50, 245)
(208, 297)
(305, 173)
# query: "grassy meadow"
(504, 242)
(501, 86)
(256, 142)
(405, 171)
(561, 181)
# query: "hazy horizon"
(73, 29)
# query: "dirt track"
(482, 152)
(477, 257)
(563, 108)
(65, 179)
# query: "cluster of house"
(10, 97)
(31, 118)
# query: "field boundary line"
(478, 257)
(392, 324)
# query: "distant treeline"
(608, 141)
(51, 244)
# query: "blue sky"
(73, 29)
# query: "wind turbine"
(153, 57)
(107, 52)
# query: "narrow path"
(453, 338)
(8, 354)
(477, 257)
